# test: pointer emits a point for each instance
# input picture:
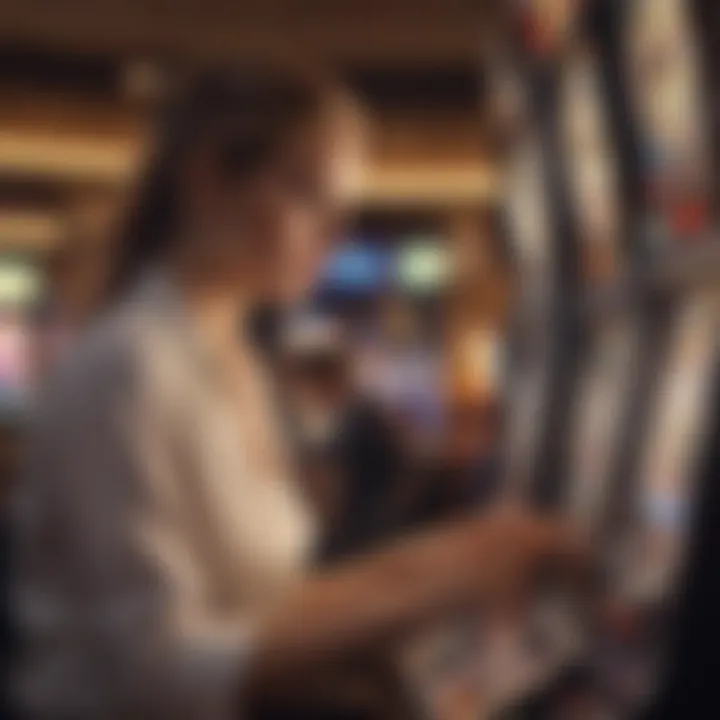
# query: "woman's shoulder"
(125, 350)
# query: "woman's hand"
(491, 561)
(510, 551)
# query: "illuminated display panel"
(357, 268)
(530, 229)
(663, 72)
(528, 216)
(527, 405)
(602, 394)
(678, 427)
(527, 389)
(592, 166)
(423, 266)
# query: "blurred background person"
(162, 547)
(402, 367)
(466, 475)
(354, 452)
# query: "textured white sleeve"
(121, 592)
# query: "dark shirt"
(450, 490)
(370, 463)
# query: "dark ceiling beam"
(352, 32)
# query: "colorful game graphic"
(604, 389)
(663, 69)
(676, 435)
(591, 165)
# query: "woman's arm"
(387, 594)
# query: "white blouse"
(156, 524)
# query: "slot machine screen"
(529, 226)
(527, 390)
(602, 393)
(528, 218)
(678, 428)
(662, 57)
(591, 165)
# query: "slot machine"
(607, 360)
(641, 492)
(520, 657)
(530, 227)
(661, 50)
(663, 490)
(610, 350)
(539, 230)
(611, 140)
(648, 551)
(608, 193)
(639, 180)
(688, 679)
(470, 669)
(663, 69)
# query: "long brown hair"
(242, 117)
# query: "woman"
(162, 543)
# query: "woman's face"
(270, 234)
